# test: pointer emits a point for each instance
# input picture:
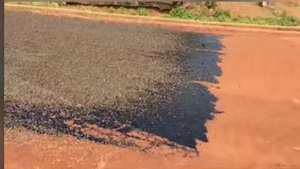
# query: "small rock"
(296, 148)
(297, 101)
(79, 105)
(263, 4)
(62, 114)
(55, 4)
(62, 3)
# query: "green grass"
(110, 10)
(142, 11)
(182, 13)
(47, 4)
(280, 19)
(130, 11)
(224, 16)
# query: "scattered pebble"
(297, 101)
(296, 148)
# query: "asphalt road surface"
(110, 75)
(87, 94)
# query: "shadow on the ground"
(177, 116)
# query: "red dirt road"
(259, 93)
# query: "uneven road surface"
(88, 94)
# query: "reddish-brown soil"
(259, 93)
(245, 9)
(251, 9)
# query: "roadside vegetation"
(220, 15)
(206, 12)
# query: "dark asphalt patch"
(162, 101)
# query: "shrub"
(211, 4)
(180, 12)
(222, 15)
(142, 12)
(283, 19)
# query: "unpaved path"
(259, 93)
